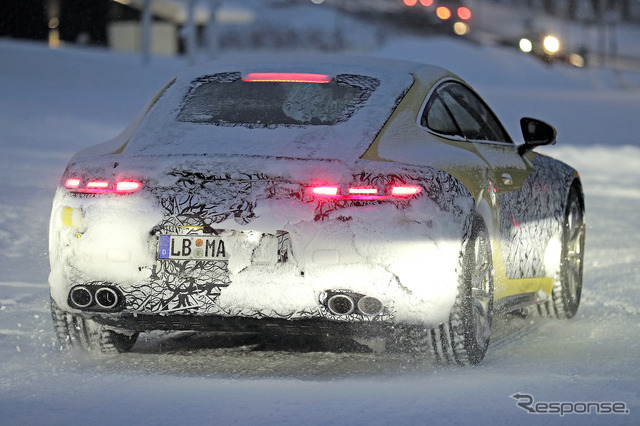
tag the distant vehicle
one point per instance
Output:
(451, 16)
(338, 196)
(549, 48)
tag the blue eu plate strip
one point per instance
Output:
(164, 247)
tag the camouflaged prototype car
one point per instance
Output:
(357, 196)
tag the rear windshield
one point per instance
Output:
(225, 99)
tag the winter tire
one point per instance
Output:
(75, 332)
(565, 296)
(464, 339)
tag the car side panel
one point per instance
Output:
(531, 220)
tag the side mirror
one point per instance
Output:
(536, 133)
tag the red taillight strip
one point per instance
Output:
(72, 183)
(366, 193)
(102, 186)
(403, 191)
(286, 77)
(325, 190)
(127, 186)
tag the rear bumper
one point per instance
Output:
(343, 295)
(274, 326)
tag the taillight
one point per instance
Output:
(403, 191)
(72, 183)
(328, 191)
(101, 186)
(365, 193)
(127, 186)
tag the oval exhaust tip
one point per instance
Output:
(341, 304)
(107, 298)
(370, 306)
(81, 297)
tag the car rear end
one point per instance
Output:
(240, 201)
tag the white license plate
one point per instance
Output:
(192, 247)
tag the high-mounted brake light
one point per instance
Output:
(101, 184)
(79, 186)
(286, 77)
(363, 191)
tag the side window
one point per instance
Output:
(472, 118)
(439, 118)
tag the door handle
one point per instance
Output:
(507, 179)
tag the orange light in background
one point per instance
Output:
(54, 33)
(464, 13)
(443, 13)
(410, 2)
(426, 3)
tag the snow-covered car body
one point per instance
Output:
(323, 192)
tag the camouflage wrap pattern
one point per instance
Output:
(532, 216)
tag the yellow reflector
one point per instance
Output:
(71, 218)
(66, 216)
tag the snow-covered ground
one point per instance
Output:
(53, 103)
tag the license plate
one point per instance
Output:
(188, 247)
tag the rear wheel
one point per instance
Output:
(565, 296)
(464, 339)
(75, 332)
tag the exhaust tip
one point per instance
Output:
(107, 298)
(81, 297)
(341, 304)
(91, 297)
(370, 306)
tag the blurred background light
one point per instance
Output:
(526, 45)
(443, 13)
(460, 28)
(551, 44)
